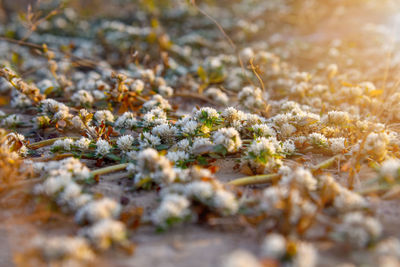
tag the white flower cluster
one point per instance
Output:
(275, 247)
(9, 121)
(251, 98)
(104, 233)
(102, 147)
(376, 145)
(103, 230)
(179, 197)
(263, 154)
(125, 121)
(56, 110)
(389, 171)
(103, 116)
(125, 143)
(205, 113)
(72, 165)
(240, 258)
(15, 142)
(157, 101)
(277, 199)
(358, 229)
(303, 178)
(147, 140)
(152, 168)
(98, 210)
(166, 132)
(339, 118)
(73, 250)
(172, 208)
(217, 95)
(82, 98)
(155, 116)
(229, 138)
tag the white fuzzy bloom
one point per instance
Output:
(125, 142)
(157, 101)
(104, 116)
(306, 255)
(318, 140)
(104, 233)
(200, 142)
(189, 127)
(176, 156)
(183, 145)
(102, 147)
(62, 248)
(347, 200)
(173, 206)
(77, 123)
(337, 117)
(229, 138)
(137, 86)
(288, 147)
(336, 145)
(287, 129)
(225, 202)
(10, 121)
(98, 210)
(390, 170)
(274, 246)
(358, 229)
(82, 143)
(165, 91)
(206, 113)
(98, 95)
(232, 115)
(199, 190)
(217, 95)
(302, 177)
(166, 132)
(155, 116)
(151, 165)
(126, 121)
(240, 258)
(51, 107)
(64, 144)
(376, 145)
(54, 184)
(148, 140)
(81, 98)
(389, 246)
(263, 130)
(251, 98)
(246, 54)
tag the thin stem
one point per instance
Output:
(109, 169)
(372, 189)
(48, 142)
(326, 163)
(256, 179)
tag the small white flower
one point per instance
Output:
(173, 206)
(102, 147)
(176, 156)
(104, 116)
(240, 258)
(229, 138)
(105, 233)
(83, 143)
(81, 98)
(125, 143)
(98, 210)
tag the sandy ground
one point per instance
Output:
(202, 245)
